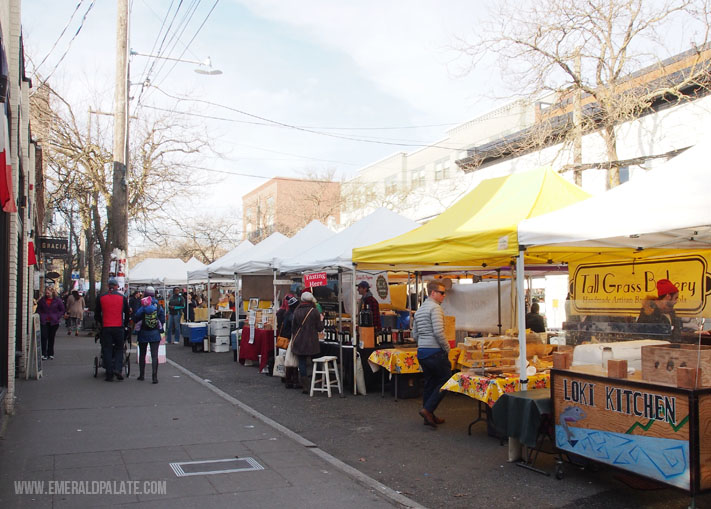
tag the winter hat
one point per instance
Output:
(665, 287)
(149, 291)
(292, 301)
(307, 297)
(113, 282)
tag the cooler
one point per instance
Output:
(194, 331)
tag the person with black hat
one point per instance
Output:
(367, 301)
(112, 314)
(176, 304)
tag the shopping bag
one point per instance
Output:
(360, 376)
(290, 360)
(282, 342)
(279, 367)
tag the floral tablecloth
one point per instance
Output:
(403, 361)
(489, 390)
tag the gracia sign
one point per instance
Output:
(620, 288)
(53, 245)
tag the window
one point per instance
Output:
(418, 177)
(624, 174)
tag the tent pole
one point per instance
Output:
(208, 297)
(355, 339)
(498, 281)
(274, 307)
(520, 276)
(338, 334)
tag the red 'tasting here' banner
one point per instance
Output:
(315, 279)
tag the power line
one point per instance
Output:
(304, 129)
(58, 38)
(81, 25)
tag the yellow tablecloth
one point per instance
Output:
(403, 361)
(489, 390)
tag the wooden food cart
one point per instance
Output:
(653, 429)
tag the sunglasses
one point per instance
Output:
(441, 292)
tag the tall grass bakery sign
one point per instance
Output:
(620, 288)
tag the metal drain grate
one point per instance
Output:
(209, 467)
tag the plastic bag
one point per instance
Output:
(279, 367)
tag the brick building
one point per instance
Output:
(19, 219)
(286, 205)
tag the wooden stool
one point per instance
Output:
(322, 367)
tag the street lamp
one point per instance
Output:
(205, 65)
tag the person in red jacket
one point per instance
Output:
(112, 313)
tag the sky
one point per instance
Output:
(349, 82)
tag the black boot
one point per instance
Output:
(155, 374)
(305, 385)
(141, 371)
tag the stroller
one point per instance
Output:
(99, 360)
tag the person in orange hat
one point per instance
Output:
(661, 309)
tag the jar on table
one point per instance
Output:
(606, 356)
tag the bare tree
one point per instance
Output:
(586, 51)
(79, 167)
(206, 238)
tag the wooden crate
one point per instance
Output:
(450, 328)
(659, 362)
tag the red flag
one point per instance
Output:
(7, 196)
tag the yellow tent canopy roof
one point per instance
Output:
(478, 230)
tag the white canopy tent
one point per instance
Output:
(265, 262)
(159, 271)
(669, 207)
(219, 270)
(194, 264)
(337, 251)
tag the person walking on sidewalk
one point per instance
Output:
(75, 310)
(307, 323)
(151, 317)
(51, 310)
(176, 304)
(432, 351)
(112, 314)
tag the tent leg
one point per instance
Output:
(354, 317)
(521, 312)
(338, 334)
(498, 293)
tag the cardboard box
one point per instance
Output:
(366, 337)
(660, 362)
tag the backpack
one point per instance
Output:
(150, 319)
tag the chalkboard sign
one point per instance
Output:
(33, 360)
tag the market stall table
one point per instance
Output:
(526, 418)
(489, 389)
(257, 346)
(401, 361)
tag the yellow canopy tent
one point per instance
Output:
(478, 230)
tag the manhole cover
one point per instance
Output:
(209, 467)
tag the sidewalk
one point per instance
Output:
(70, 426)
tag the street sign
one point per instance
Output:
(53, 246)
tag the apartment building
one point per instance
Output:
(286, 205)
(423, 183)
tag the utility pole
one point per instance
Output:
(119, 201)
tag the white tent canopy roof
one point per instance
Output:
(337, 251)
(194, 264)
(312, 234)
(219, 269)
(159, 271)
(666, 208)
(264, 249)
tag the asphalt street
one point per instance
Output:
(386, 440)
